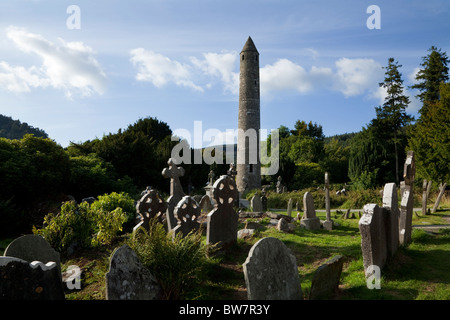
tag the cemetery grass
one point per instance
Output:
(417, 272)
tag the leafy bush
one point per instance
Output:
(176, 263)
(87, 225)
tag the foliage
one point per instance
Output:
(430, 139)
(14, 129)
(87, 225)
(176, 263)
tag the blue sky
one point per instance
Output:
(178, 61)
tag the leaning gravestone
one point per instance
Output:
(326, 279)
(271, 272)
(373, 236)
(128, 279)
(150, 206)
(222, 221)
(390, 202)
(31, 248)
(176, 191)
(256, 203)
(22, 280)
(187, 211)
(407, 203)
(309, 220)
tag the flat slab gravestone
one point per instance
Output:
(128, 279)
(31, 248)
(22, 280)
(309, 220)
(390, 202)
(373, 236)
(326, 279)
(271, 272)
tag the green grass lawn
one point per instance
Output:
(417, 272)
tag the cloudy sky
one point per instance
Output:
(81, 72)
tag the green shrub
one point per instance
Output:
(176, 263)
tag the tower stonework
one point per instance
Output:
(248, 162)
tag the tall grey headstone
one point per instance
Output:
(407, 202)
(309, 219)
(128, 279)
(176, 191)
(256, 204)
(390, 202)
(271, 272)
(32, 247)
(187, 211)
(222, 221)
(326, 279)
(22, 280)
(289, 207)
(373, 236)
(328, 223)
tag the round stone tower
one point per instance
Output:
(248, 163)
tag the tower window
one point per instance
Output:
(250, 169)
(242, 57)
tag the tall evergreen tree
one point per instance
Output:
(391, 117)
(434, 71)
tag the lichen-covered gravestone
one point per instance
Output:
(256, 203)
(222, 221)
(128, 279)
(187, 212)
(150, 206)
(271, 272)
(390, 203)
(326, 279)
(176, 191)
(373, 236)
(309, 220)
(31, 248)
(22, 280)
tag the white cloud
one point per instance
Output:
(69, 66)
(160, 70)
(286, 75)
(357, 76)
(220, 65)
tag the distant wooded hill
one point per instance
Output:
(14, 129)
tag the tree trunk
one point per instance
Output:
(441, 193)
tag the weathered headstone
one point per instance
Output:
(326, 279)
(22, 280)
(390, 202)
(280, 186)
(407, 202)
(328, 223)
(289, 207)
(222, 221)
(424, 196)
(283, 225)
(176, 191)
(256, 204)
(150, 206)
(128, 279)
(31, 248)
(373, 236)
(263, 200)
(187, 211)
(271, 272)
(309, 219)
(206, 204)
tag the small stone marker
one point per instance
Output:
(187, 211)
(373, 236)
(176, 191)
(22, 280)
(128, 279)
(326, 279)
(271, 272)
(222, 221)
(407, 202)
(289, 207)
(390, 202)
(31, 248)
(309, 220)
